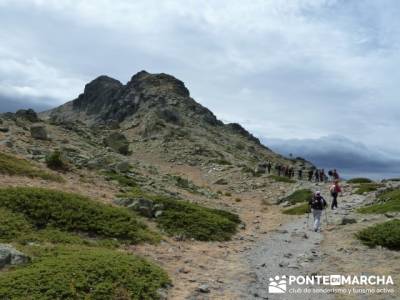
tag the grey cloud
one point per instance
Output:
(12, 105)
(297, 69)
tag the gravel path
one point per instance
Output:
(294, 249)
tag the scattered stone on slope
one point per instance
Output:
(118, 142)
(11, 256)
(221, 181)
(347, 220)
(39, 132)
(204, 288)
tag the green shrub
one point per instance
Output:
(11, 165)
(367, 187)
(15, 228)
(184, 183)
(385, 234)
(228, 194)
(13, 225)
(72, 212)
(281, 179)
(220, 161)
(389, 202)
(238, 200)
(84, 273)
(359, 180)
(122, 179)
(55, 161)
(298, 196)
(192, 220)
(247, 169)
(297, 210)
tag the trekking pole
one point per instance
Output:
(326, 217)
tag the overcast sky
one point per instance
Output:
(292, 72)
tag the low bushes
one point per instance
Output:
(367, 187)
(297, 210)
(56, 162)
(84, 273)
(303, 195)
(71, 212)
(53, 228)
(191, 220)
(122, 179)
(385, 234)
(388, 202)
(359, 180)
(11, 165)
(281, 179)
(15, 228)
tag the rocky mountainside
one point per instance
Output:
(155, 111)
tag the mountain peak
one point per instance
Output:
(158, 83)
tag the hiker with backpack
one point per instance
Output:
(310, 174)
(335, 189)
(335, 175)
(316, 175)
(317, 204)
(269, 166)
(300, 174)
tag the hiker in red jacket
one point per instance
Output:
(335, 189)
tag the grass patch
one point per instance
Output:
(281, 179)
(367, 187)
(388, 202)
(13, 225)
(190, 220)
(74, 213)
(15, 228)
(221, 161)
(385, 234)
(297, 210)
(84, 273)
(14, 166)
(359, 180)
(298, 196)
(122, 179)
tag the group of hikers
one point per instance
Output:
(316, 175)
(318, 203)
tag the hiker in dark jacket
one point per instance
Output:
(335, 189)
(269, 166)
(310, 174)
(317, 204)
(322, 175)
(279, 169)
(335, 175)
(316, 175)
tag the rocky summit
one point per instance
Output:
(154, 113)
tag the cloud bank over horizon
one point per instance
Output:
(286, 70)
